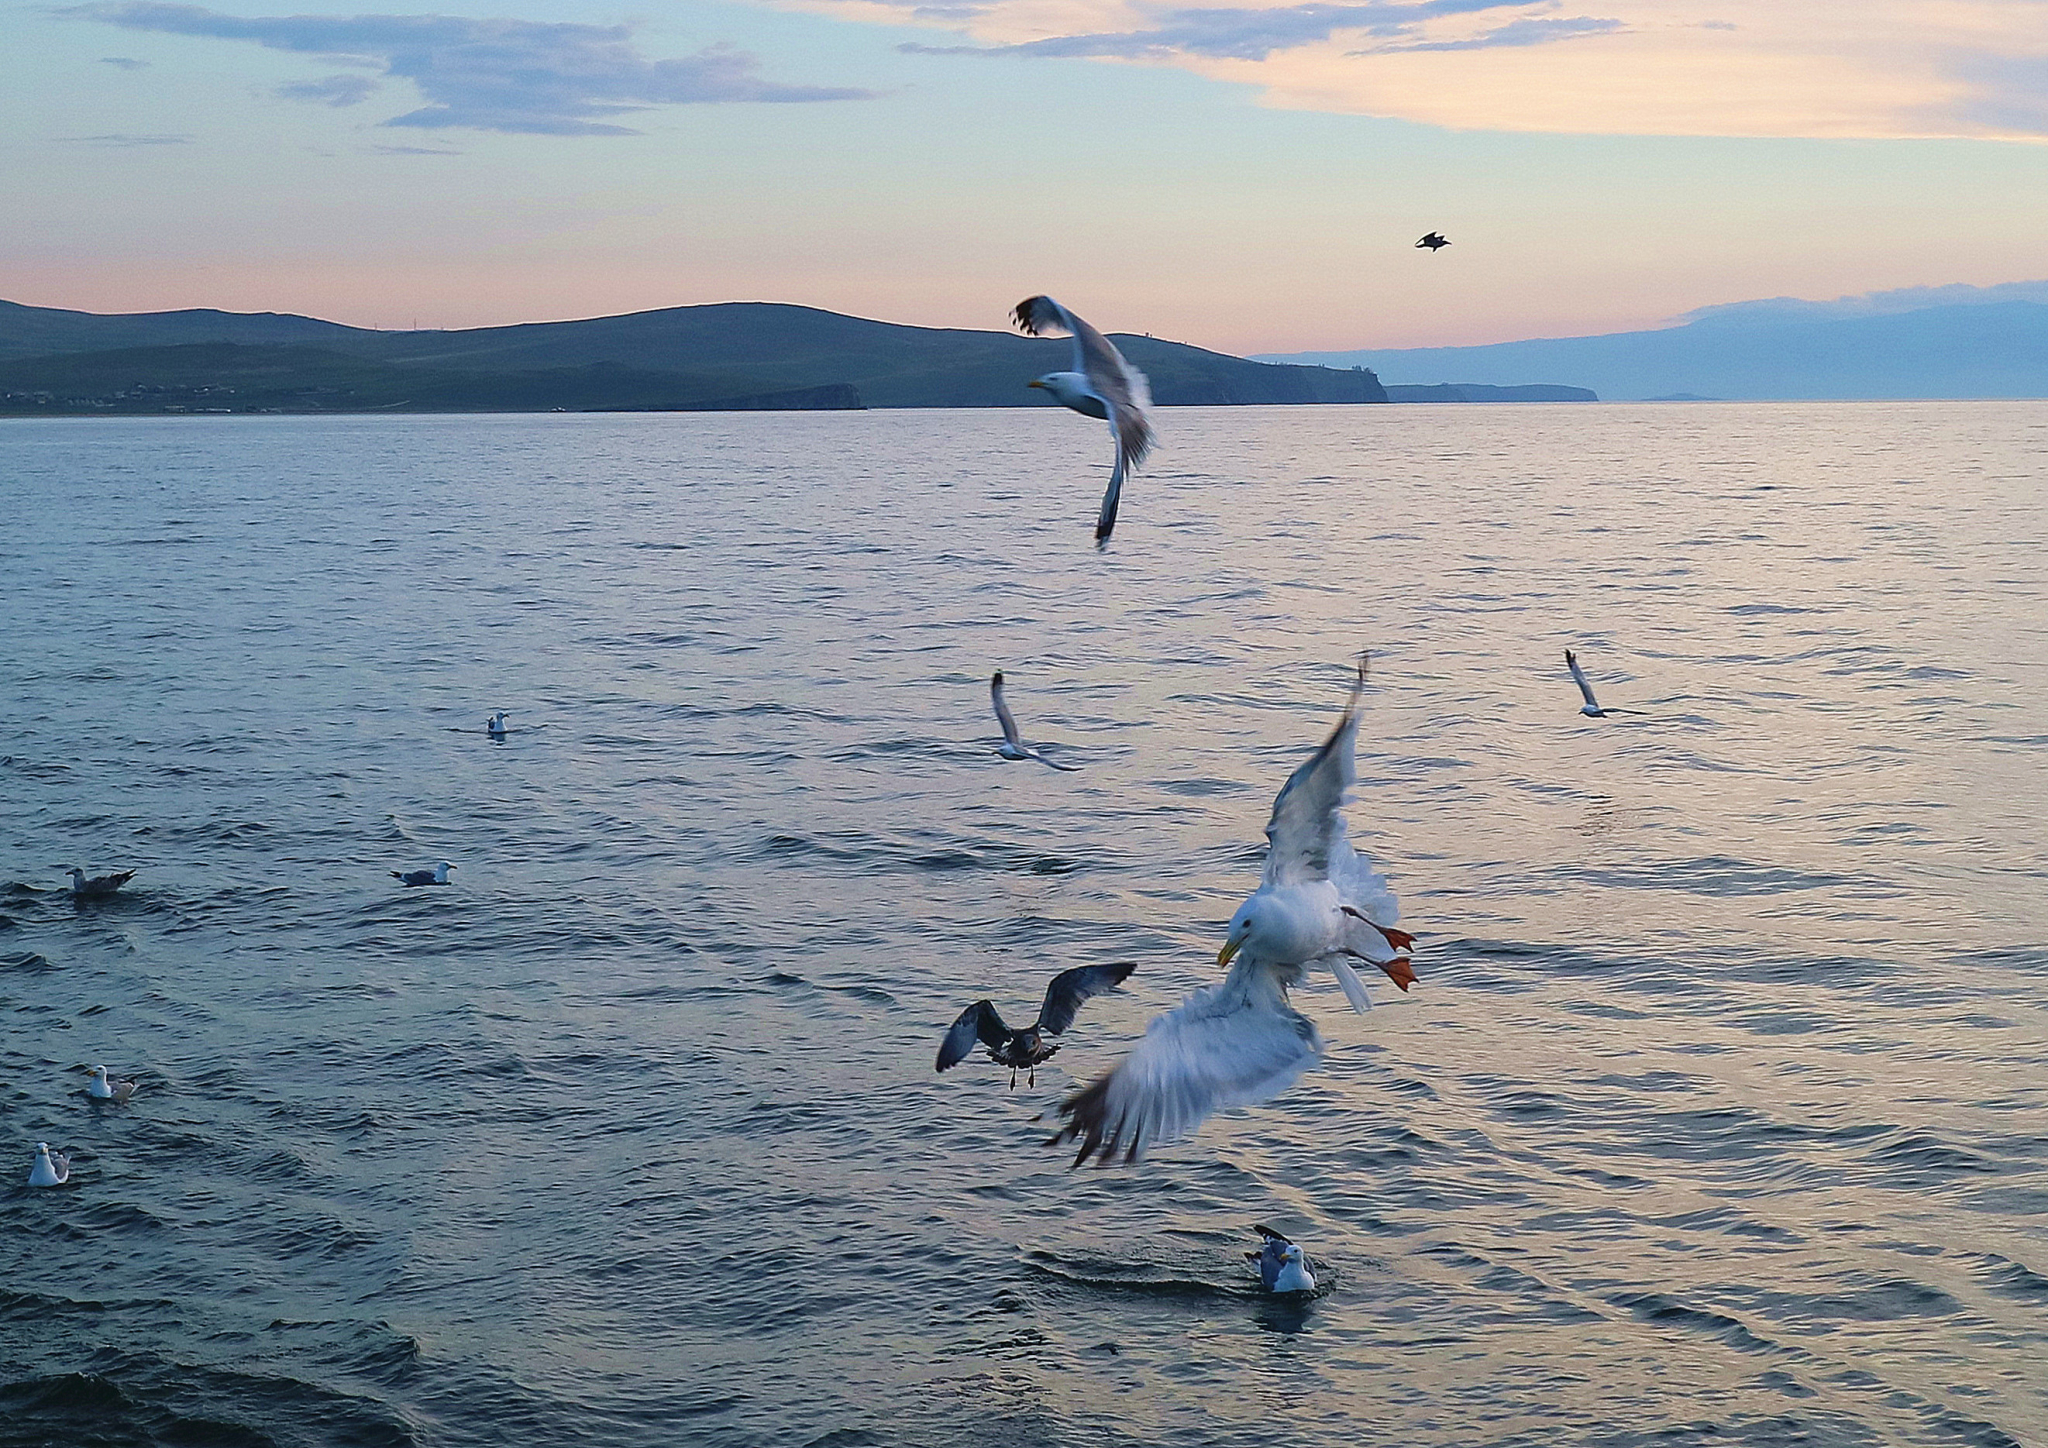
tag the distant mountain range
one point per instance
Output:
(1475, 392)
(1972, 342)
(728, 356)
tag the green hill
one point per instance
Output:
(728, 354)
(231, 377)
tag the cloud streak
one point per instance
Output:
(331, 90)
(1238, 34)
(518, 76)
(1804, 68)
(122, 141)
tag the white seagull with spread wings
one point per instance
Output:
(1098, 384)
(1013, 745)
(1591, 709)
(1239, 1041)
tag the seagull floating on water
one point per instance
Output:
(1238, 1042)
(101, 1089)
(1283, 1266)
(52, 1168)
(436, 876)
(1025, 1048)
(1435, 241)
(1099, 383)
(1013, 745)
(495, 725)
(1591, 709)
(99, 887)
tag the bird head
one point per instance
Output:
(1290, 1253)
(1242, 924)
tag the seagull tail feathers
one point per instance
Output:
(1354, 988)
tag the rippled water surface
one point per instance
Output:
(1719, 1115)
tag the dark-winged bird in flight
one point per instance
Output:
(1026, 1048)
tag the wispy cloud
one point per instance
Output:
(1517, 32)
(1239, 34)
(331, 90)
(122, 141)
(1820, 68)
(520, 76)
(124, 62)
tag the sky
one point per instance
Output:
(1246, 177)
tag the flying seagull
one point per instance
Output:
(1591, 709)
(1239, 1041)
(1013, 745)
(101, 1089)
(436, 876)
(1099, 384)
(1025, 1049)
(1434, 241)
(99, 887)
(52, 1168)
(1283, 1266)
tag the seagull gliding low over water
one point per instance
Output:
(1024, 1049)
(1013, 745)
(1591, 709)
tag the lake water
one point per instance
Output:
(1719, 1114)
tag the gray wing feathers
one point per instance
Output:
(1307, 829)
(1003, 715)
(1571, 662)
(979, 1022)
(1105, 521)
(1063, 997)
(1358, 884)
(1222, 1048)
(1271, 1260)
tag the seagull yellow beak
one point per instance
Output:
(1034, 382)
(1223, 956)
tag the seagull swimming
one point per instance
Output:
(1013, 745)
(1434, 241)
(1025, 1048)
(101, 1089)
(436, 876)
(1591, 709)
(1238, 1042)
(1098, 384)
(99, 887)
(52, 1168)
(1283, 1267)
(495, 725)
